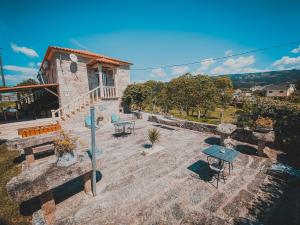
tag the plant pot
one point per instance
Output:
(66, 159)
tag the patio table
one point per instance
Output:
(228, 156)
(124, 124)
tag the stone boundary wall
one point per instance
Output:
(240, 134)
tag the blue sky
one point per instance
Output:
(152, 33)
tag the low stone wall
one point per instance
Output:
(240, 134)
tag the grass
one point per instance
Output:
(9, 211)
(213, 117)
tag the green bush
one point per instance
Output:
(286, 118)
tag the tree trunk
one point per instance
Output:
(199, 114)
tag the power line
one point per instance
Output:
(222, 57)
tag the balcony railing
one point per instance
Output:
(109, 92)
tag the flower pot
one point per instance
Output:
(66, 159)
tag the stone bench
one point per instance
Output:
(29, 152)
(22, 143)
(40, 180)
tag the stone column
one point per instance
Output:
(29, 155)
(87, 182)
(222, 138)
(48, 207)
(100, 80)
(260, 147)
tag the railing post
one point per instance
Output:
(53, 115)
(100, 80)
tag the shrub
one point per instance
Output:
(153, 136)
(64, 144)
(285, 116)
(265, 122)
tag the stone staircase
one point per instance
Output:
(83, 102)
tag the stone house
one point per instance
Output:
(83, 78)
(279, 90)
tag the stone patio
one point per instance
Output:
(167, 187)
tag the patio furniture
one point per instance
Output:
(87, 122)
(120, 125)
(262, 138)
(216, 169)
(226, 155)
(10, 112)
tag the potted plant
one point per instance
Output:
(64, 147)
(263, 124)
(153, 136)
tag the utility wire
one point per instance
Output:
(222, 57)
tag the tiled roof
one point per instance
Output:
(88, 54)
(282, 86)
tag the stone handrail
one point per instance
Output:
(77, 104)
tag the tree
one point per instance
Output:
(136, 95)
(29, 81)
(206, 94)
(183, 92)
(225, 90)
(156, 88)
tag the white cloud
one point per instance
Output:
(26, 51)
(16, 78)
(180, 70)
(20, 69)
(296, 50)
(239, 62)
(78, 44)
(159, 72)
(238, 65)
(228, 52)
(287, 62)
(204, 65)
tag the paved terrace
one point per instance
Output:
(167, 187)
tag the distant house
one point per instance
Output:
(257, 88)
(280, 90)
(239, 94)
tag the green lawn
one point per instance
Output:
(9, 211)
(213, 117)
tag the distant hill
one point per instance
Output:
(248, 80)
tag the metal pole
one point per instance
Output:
(1, 70)
(92, 109)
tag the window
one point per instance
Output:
(281, 91)
(270, 91)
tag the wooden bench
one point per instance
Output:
(40, 180)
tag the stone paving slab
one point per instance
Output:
(167, 187)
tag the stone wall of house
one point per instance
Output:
(122, 79)
(72, 83)
(106, 107)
